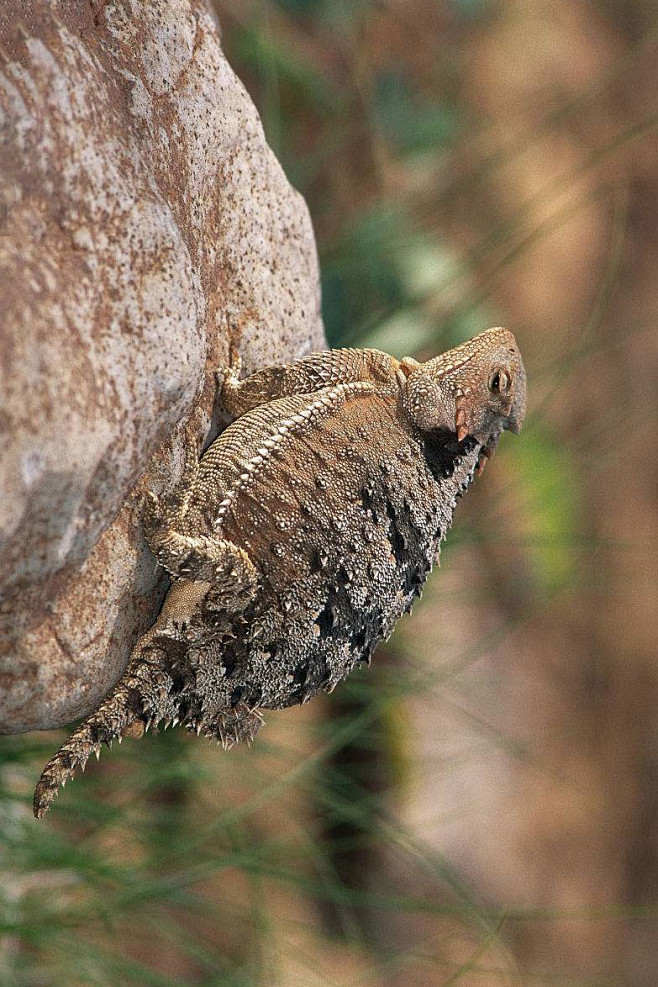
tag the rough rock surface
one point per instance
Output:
(145, 226)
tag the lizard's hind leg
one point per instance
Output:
(199, 559)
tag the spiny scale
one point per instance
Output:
(303, 534)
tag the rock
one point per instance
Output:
(146, 226)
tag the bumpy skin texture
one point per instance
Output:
(303, 534)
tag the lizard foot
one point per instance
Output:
(231, 726)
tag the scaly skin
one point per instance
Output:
(303, 534)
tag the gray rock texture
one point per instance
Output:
(145, 226)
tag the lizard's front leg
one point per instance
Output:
(306, 376)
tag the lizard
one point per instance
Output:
(302, 535)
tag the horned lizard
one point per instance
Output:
(303, 534)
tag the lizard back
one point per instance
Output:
(342, 523)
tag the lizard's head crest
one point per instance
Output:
(478, 389)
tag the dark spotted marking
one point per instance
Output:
(238, 695)
(300, 674)
(317, 561)
(325, 620)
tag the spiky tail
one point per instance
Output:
(143, 692)
(109, 721)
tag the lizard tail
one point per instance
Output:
(110, 720)
(142, 695)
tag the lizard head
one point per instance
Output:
(478, 389)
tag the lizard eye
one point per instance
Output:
(500, 382)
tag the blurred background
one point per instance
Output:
(481, 806)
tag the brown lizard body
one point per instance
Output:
(303, 534)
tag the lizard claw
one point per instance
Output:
(229, 376)
(233, 368)
(234, 358)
